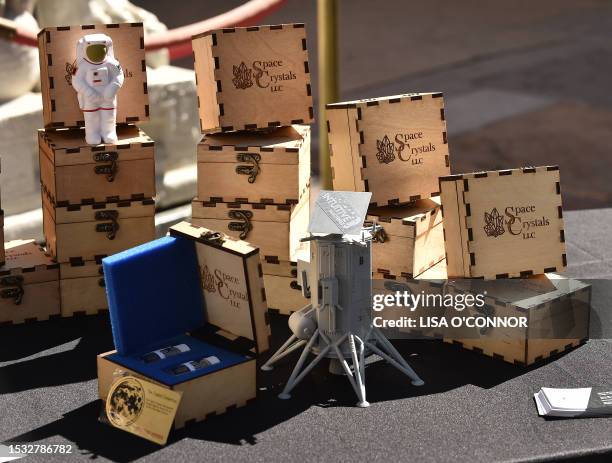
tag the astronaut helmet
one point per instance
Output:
(95, 48)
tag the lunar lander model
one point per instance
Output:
(337, 324)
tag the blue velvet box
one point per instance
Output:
(193, 287)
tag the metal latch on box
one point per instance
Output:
(253, 169)
(16, 292)
(245, 226)
(213, 237)
(110, 228)
(377, 231)
(110, 170)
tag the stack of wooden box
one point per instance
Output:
(254, 99)
(97, 200)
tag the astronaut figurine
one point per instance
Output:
(97, 79)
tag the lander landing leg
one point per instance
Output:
(376, 342)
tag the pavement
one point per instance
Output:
(472, 409)
(525, 83)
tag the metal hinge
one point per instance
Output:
(253, 169)
(110, 228)
(110, 170)
(12, 293)
(244, 227)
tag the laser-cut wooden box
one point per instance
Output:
(394, 147)
(501, 224)
(253, 77)
(263, 225)
(88, 231)
(411, 240)
(256, 167)
(73, 172)
(29, 284)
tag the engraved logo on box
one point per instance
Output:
(126, 402)
(494, 223)
(242, 76)
(407, 147)
(227, 286)
(517, 220)
(263, 74)
(386, 150)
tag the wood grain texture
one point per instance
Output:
(39, 280)
(397, 145)
(82, 288)
(283, 294)
(508, 223)
(68, 166)
(231, 282)
(282, 172)
(73, 233)
(414, 238)
(269, 224)
(253, 78)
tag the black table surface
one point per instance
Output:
(472, 408)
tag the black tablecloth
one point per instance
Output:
(472, 408)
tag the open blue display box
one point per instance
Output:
(193, 287)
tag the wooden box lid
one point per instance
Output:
(253, 77)
(87, 212)
(27, 261)
(67, 147)
(232, 283)
(57, 52)
(259, 212)
(277, 146)
(407, 221)
(504, 223)
(395, 147)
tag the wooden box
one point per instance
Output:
(254, 77)
(57, 53)
(557, 311)
(505, 223)
(73, 172)
(29, 284)
(256, 167)
(88, 231)
(394, 147)
(283, 291)
(263, 225)
(411, 240)
(221, 306)
(82, 287)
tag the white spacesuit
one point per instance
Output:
(97, 79)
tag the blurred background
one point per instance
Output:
(525, 83)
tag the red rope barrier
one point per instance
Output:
(177, 41)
